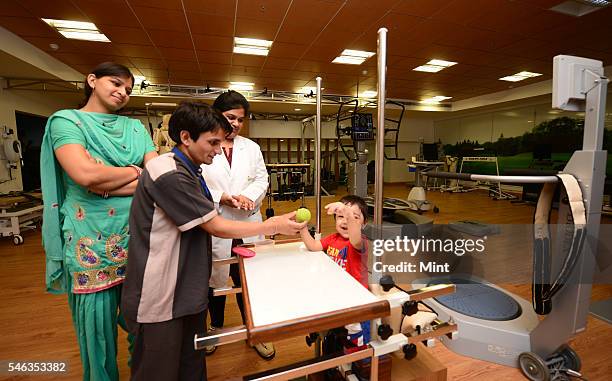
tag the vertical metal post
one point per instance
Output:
(380, 134)
(595, 112)
(317, 185)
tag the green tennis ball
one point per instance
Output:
(302, 215)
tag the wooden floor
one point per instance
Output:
(36, 326)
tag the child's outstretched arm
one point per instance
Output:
(354, 229)
(310, 243)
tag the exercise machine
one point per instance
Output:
(290, 183)
(561, 280)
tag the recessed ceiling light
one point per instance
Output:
(369, 94)
(297, 109)
(77, 30)
(434, 100)
(245, 86)
(435, 65)
(352, 57)
(520, 76)
(252, 46)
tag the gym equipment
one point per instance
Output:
(493, 187)
(360, 131)
(290, 183)
(537, 346)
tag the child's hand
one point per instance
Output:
(335, 207)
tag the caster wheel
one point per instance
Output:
(17, 239)
(436, 209)
(570, 357)
(410, 351)
(384, 331)
(533, 367)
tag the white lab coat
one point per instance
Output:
(248, 177)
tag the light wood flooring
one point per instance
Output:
(37, 326)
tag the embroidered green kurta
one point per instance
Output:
(85, 236)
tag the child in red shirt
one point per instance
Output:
(347, 247)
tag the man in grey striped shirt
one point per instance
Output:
(165, 293)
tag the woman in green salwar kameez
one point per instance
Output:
(91, 159)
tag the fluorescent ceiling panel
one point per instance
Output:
(251, 46)
(520, 76)
(352, 57)
(77, 30)
(435, 65)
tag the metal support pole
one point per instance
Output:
(317, 185)
(595, 113)
(380, 134)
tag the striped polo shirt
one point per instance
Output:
(170, 256)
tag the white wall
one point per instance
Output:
(32, 102)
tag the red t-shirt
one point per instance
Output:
(347, 256)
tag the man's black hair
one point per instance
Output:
(196, 118)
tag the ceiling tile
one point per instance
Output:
(503, 15)
(247, 60)
(250, 71)
(58, 9)
(148, 63)
(178, 54)
(87, 47)
(100, 13)
(28, 26)
(14, 9)
(213, 7)
(213, 43)
(213, 71)
(421, 8)
(201, 23)
(249, 28)
(279, 63)
(208, 57)
(162, 4)
(162, 19)
(285, 50)
(183, 66)
(142, 51)
(263, 10)
(125, 35)
(170, 39)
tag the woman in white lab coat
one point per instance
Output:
(238, 181)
